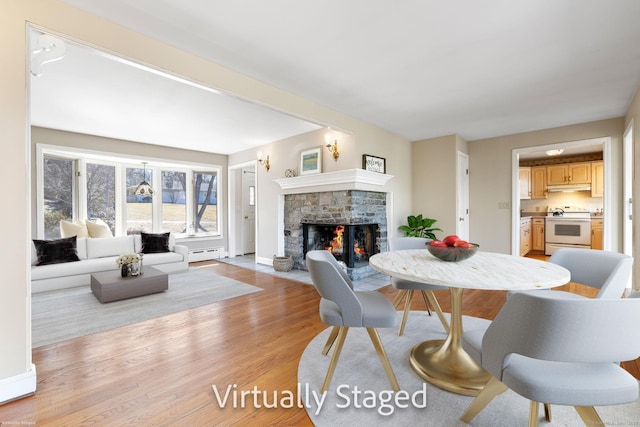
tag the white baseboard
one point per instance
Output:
(18, 386)
(265, 261)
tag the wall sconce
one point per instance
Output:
(264, 162)
(333, 149)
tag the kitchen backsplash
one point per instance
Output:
(582, 199)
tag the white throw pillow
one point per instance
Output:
(78, 228)
(110, 246)
(98, 228)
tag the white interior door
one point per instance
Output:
(462, 199)
(249, 210)
(627, 222)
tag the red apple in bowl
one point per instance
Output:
(438, 243)
(450, 240)
(460, 250)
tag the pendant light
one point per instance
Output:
(144, 189)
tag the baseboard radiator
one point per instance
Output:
(204, 254)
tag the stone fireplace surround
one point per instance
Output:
(333, 207)
(349, 196)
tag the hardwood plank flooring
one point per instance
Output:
(162, 371)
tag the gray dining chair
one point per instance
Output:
(609, 272)
(344, 308)
(407, 288)
(558, 351)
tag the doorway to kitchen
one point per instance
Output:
(561, 194)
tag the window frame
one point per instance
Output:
(121, 162)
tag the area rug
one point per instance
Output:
(69, 313)
(360, 387)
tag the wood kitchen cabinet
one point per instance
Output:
(597, 179)
(569, 173)
(537, 234)
(539, 182)
(596, 233)
(524, 180)
(525, 236)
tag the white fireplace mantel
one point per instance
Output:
(350, 179)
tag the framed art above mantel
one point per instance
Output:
(311, 161)
(374, 163)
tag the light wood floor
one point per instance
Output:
(161, 372)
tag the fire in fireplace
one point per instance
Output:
(352, 244)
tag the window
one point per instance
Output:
(101, 193)
(174, 201)
(76, 186)
(58, 194)
(139, 212)
(205, 218)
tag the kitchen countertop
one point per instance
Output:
(524, 215)
(532, 214)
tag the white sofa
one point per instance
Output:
(99, 254)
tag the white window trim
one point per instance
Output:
(121, 162)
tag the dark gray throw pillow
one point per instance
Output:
(56, 251)
(155, 243)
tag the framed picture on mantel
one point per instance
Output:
(374, 164)
(311, 161)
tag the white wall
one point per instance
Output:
(434, 164)
(16, 376)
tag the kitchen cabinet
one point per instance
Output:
(525, 236)
(537, 234)
(539, 182)
(597, 179)
(569, 173)
(524, 180)
(596, 233)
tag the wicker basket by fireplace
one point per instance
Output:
(282, 263)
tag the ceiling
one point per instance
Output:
(418, 68)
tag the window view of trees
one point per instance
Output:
(206, 213)
(174, 201)
(58, 194)
(101, 193)
(139, 208)
(185, 200)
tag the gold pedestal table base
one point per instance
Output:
(444, 363)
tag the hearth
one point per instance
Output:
(352, 244)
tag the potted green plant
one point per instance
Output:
(417, 226)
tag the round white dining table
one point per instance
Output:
(444, 363)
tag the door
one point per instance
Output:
(557, 174)
(627, 188)
(524, 179)
(249, 210)
(462, 202)
(539, 182)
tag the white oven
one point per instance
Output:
(567, 228)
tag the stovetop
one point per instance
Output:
(568, 212)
